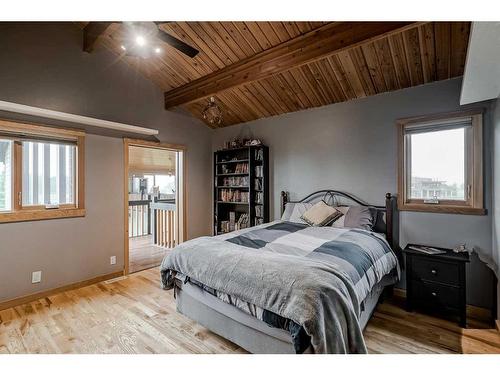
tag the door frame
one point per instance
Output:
(181, 209)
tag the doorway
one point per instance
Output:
(154, 202)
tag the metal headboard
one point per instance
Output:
(389, 210)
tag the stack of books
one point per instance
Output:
(232, 224)
(243, 222)
(230, 195)
(241, 168)
(235, 181)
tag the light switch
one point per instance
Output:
(36, 277)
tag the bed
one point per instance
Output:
(286, 287)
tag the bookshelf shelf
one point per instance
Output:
(233, 161)
(232, 174)
(229, 202)
(241, 174)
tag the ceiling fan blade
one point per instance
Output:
(178, 44)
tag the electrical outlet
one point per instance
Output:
(36, 277)
(112, 260)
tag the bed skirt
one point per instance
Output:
(248, 332)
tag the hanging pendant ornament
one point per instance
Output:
(212, 112)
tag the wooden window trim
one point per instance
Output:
(127, 142)
(39, 212)
(473, 205)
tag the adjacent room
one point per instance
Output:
(153, 217)
(266, 187)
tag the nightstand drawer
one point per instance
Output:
(436, 295)
(431, 270)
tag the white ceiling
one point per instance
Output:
(482, 68)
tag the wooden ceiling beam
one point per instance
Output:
(323, 41)
(92, 32)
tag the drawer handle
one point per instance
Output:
(434, 272)
(434, 294)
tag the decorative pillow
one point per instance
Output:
(294, 211)
(356, 217)
(320, 214)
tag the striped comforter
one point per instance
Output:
(314, 276)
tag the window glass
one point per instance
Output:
(166, 184)
(437, 165)
(48, 173)
(5, 175)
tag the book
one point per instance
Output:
(232, 220)
(259, 198)
(427, 250)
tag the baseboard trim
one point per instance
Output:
(474, 312)
(46, 293)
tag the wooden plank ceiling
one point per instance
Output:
(424, 53)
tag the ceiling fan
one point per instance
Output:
(142, 40)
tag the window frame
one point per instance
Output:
(40, 212)
(474, 202)
(11, 176)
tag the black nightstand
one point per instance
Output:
(436, 283)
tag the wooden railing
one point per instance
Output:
(165, 230)
(139, 218)
(157, 218)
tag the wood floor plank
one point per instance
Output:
(134, 315)
(144, 254)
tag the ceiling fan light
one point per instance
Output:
(140, 40)
(158, 50)
(123, 47)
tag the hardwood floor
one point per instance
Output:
(144, 254)
(134, 315)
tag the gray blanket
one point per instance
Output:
(313, 276)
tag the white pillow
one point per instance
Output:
(321, 214)
(294, 211)
(339, 223)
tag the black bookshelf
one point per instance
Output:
(241, 187)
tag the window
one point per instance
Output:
(48, 173)
(5, 174)
(165, 183)
(440, 163)
(41, 172)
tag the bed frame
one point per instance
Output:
(256, 336)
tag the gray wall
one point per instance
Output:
(44, 66)
(352, 146)
(70, 250)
